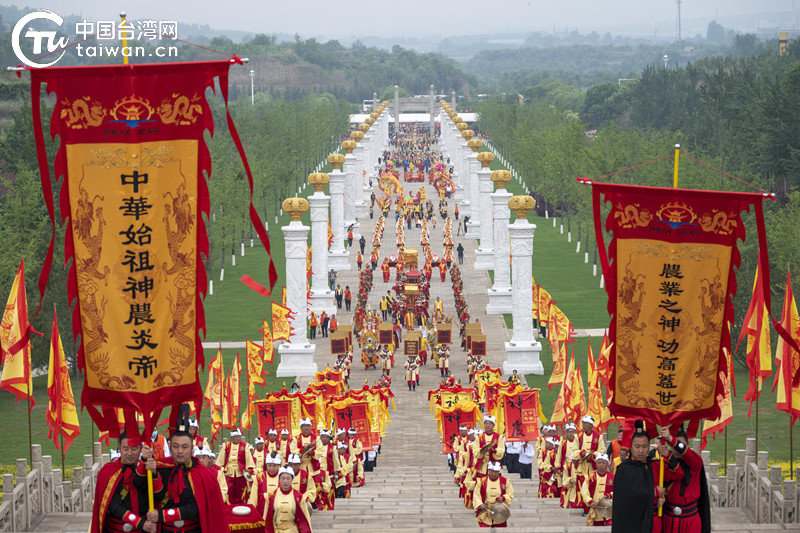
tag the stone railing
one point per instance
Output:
(753, 485)
(43, 490)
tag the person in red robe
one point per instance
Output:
(687, 506)
(193, 498)
(123, 500)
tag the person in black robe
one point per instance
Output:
(634, 489)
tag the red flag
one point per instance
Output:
(725, 400)
(603, 367)
(61, 415)
(250, 409)
(787, 359)
(15, 346)
(595, 404)
(756, 330)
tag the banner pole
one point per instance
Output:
(677, 158)
(30, 436)
(123, 16)
(791, 428)
(757, 396)
(62, 452)
(726, 450)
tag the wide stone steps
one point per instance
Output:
(424, 498)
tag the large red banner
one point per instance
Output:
(134, 193)
(454, 417)
(670, 278)
(275, 415)
(355, 415)
(521, 415)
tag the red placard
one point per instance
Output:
(444, 335)
(451, 421)
(274, 415)
(521, 411)
(385, 335)
(355, 415)
(338, 343)
(479, 345)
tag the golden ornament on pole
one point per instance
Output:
(349, 146)
(500, 178)
(336, 160)
(318, 180)
(295, 207)
(520, 205)
(475, 144)
(485, 159)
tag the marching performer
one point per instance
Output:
(488, 446)
(237, 464)
(492, 492)
(599, 486)
(286, 511)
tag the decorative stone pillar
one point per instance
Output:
(321, 295)
(297, 356)
(363, 157)
(484, 255)
(500, 301)
(431, 98)
(351, 162)
(461, 166)
(338, 257)
(474, 163)
(522, 351)
(396, 109)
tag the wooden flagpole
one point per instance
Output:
(30, 436)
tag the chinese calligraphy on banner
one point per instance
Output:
(275, 415)
(521, 411)
(133, 158)
(352, 414)
(670, 278)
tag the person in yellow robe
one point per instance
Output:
(286, 511)
(490, 490)
(266, 484)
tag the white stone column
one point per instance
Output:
(338, 257)
(522, 351)
(321, 296)
(500, 300)
(297, 356)
(463, 170)
(360, 206)
(484, 255)
(477, 163)
(350, 191)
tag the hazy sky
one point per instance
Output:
(415, 17)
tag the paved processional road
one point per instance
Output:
(412, 490)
